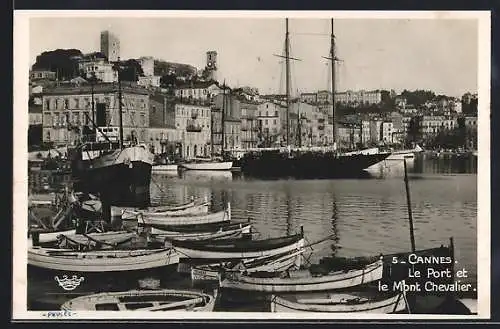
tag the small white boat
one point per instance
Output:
(300, 282)
(337, 303)
(172, 207)
(212, 218)
(274, 263)
(144, 300)
(200, 209)
(101, 260)
(222, 233)
(165, 168)
(208, 165)
(47, 237)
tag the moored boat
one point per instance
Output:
(110, 239)
(274, 263)
(209, 165)
(222, 233)
(51, 236)
(216, 217)
(144, 300)
(196, 209)
(238, 249)
(337, 303)
(101, 260)
(160, 208)
(120, 176)
(159, 168)
(303, 280)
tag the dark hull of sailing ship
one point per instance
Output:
(278, 164)
(121, 177)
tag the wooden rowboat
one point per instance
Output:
(223, 233)
(275, 263)
(216, 217)
(337, 303)
(199, 209)
(185, 205)
(101, 260)
(238, 249)
(144, 300)
(299, 281)
(51, 236)
(92, 240)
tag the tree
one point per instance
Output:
(62, 61)
(130, 70)
(414, 135)
(418, 97)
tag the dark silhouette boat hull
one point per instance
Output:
(310, 165)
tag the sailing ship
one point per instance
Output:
(303, 162)
(120, 175)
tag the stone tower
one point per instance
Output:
(211, 66)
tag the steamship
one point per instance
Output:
(119, 173)
(308, 162)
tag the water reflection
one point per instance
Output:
(364, 217)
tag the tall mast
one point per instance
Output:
(287, 79)
(332, 55)
(223, 117)
(120, 114)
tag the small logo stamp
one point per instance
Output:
(69, 284)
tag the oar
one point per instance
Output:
(173, 305)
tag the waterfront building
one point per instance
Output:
(110, 46)
(249, 125)
(375, 131)
(365, 132)
(348, 135)
(232, 122)
(269, 121)
(387, 132)
(165, 140)
(194, 124)
(67, 109)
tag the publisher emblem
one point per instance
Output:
(69, 284)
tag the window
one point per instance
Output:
(274, 121)
(267, 113)
(275, 113)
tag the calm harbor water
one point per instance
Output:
(365, 217)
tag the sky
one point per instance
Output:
(436, 54)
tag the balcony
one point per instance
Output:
(193, 128)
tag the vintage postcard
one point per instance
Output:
(242, 165)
